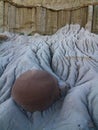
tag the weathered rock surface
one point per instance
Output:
(1, 16)
(71, 56)
(46, 17)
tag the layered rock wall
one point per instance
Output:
(45, 17)
(1, 16)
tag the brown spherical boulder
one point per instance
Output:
(35, 90)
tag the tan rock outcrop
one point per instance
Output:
(46, 17)
(53, 4)
(1, 16)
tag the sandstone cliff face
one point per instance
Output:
(95, 20)
(46, 17)
(53, 4)
(1, 16)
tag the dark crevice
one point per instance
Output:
(90, 113)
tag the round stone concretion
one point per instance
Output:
(35, 90)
